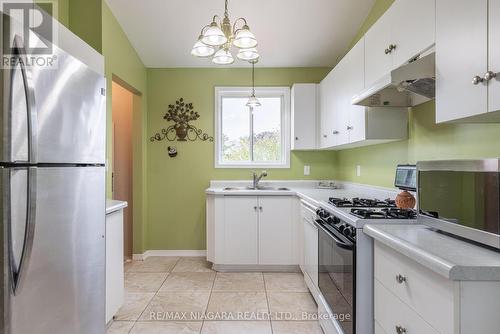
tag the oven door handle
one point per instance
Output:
(338, 242)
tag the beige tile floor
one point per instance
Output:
(183, 295)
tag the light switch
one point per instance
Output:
(307, 170)
(358, 170)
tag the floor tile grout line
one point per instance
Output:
(208, 303)
(267, 301)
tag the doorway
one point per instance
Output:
(122, 173)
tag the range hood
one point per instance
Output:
(409, 85)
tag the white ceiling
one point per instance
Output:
(291, 33)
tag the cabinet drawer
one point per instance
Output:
(307, 212)
(427, 293)
(391, 312)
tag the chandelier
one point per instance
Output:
(217, 38)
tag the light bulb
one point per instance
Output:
(223, 57)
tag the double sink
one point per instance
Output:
(256, 189)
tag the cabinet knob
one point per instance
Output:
(477, 80)
(400, 279)
(335, 132)
(296, 138)
(324, 136)
(260, 208)
(400, 329)
(489, 75)
(254, 208)
(390, 49)
(349, 127)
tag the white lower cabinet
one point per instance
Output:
(240, 230)
(311, 251)
(410, 298)
(115, 277)
(276, 230)
(251, 230)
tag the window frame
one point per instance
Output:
(243, 92)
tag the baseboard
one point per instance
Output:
(256, 268)
(149, 253)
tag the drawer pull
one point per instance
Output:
(400, 279)
(400, 329)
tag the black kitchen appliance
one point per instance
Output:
(337, 267)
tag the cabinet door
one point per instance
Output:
(413, 28)
(354, 84)
(276, 230)
(341, 103)
(377, 39)
(304, 116)
(326, 137)
(461, 54)
(494, 55)
(311, 251)
(240, 230)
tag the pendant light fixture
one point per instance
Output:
(252, 100)
(217, 38)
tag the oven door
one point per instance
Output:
(336, 274)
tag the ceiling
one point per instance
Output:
(291, 33)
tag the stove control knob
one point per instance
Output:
(342, 227)
(330, 220)
(349, 231)
(336, 220)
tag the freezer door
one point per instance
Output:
(70, 103)
(62, 287)
(53, 114)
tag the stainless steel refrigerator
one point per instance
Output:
(52, 183)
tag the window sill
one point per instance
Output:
(252, 166)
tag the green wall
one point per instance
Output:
(122, 61)
(427, 140)
(176, 198)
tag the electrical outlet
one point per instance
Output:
(358, 170)
(307, 170)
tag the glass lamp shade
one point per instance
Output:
(223, 57)
(253, 102)
(214, 36)
(245, 39)
(200, 49)
(248, 54)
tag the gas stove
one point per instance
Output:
(385, 213)
(371, 208)
(361, 203)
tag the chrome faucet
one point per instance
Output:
(256, 179)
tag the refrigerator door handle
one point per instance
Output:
(29, 92)
(18, 274)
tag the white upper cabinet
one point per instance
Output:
(403, 32)
(344, 125)
(377, 40)
(467, 48)
(327, 120)
(494, 55)
(413, 28)
(304, 116)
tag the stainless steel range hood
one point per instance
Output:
(409, 85)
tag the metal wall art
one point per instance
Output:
(181, 113)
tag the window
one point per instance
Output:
(248, 138)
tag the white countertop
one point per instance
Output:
(114, 205)
(450, 257)
(306, 190)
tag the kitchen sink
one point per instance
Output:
(258, 189)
